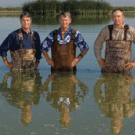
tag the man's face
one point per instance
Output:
(65, 21)
(118, 17)
(25, 22)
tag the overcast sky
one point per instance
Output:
(14, 3)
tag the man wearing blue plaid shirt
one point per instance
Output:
(63, 43)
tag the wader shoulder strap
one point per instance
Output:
(73, 34)
(20, 37)
(126, 27)
(32, 38)
(55, 35)
(110, 27)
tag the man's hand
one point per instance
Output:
(9, 64)
(36, 65)
(101, 63)
(129, 65)
(50, 62)
(75, 61)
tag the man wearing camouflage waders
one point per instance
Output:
(24, 46)
(118, 37)
(63, 43)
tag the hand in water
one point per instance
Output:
(129, 65)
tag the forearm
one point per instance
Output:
(79, 57)
(98, 44)
(97, 50)
(46, 55)
(5, 60)
(8, 64)
(82, 54)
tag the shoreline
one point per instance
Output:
(11, 13)
(16, 13)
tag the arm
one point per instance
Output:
(8, 64)
(48, 59)
(130, 65)
(48, 80)
(46, 45)
(38, 49)
(5, 46)
(79, 57)
(83, 46)
(98, 45)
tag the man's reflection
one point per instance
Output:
(63, 94)
(23, 93)
(115, 99)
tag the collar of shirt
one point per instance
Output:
(25, 32)
(120, 28)
(66, 38)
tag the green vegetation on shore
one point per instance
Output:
(11, 9)
(125, 8)
(45, 7)
(76, 20)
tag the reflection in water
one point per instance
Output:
(64, 95)
(76, 20)
(115, 98)
(23, 92)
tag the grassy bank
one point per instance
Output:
(125, 8)
(11, 9)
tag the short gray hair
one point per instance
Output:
(25, 14)
(65, 14)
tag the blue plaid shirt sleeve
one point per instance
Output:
(48, 42)
(79, 41)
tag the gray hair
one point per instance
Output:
(65, 14)
(25, 14)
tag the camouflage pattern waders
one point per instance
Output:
(118, 53)
(24, 59)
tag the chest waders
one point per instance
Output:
(117, 53)
(24, 59)
(63, 55)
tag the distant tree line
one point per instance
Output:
(45, 7)
(11, 9)
(76, 20)
(125, 8)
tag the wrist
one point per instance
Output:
(37, 61)
(47, 59)
(6, 63)
(81, 55)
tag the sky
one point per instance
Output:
(14, 3)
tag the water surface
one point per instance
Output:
(87, 102)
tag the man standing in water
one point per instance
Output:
(63, 43)
(24, 46)
(118, 37)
